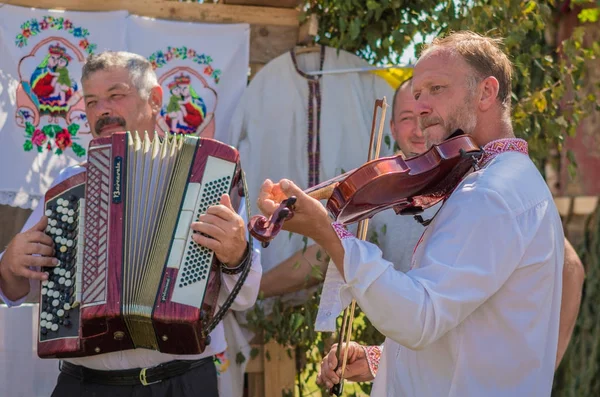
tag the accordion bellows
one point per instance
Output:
(130, 275)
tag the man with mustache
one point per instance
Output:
(122, 93)
(478, 313)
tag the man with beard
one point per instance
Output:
(122, 93)
(478, 313)
(363, 361)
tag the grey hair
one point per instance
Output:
(140, 69)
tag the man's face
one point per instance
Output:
(113, 103)
(444, 99)
(404, 127)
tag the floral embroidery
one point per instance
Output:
(50, 104)
(494, 148)
(373, 354)
(341, 231)
(221, 362)
(160, 58)
(33, 27)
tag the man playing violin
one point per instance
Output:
(363, 361)
(478, 311)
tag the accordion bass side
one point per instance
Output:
(129, 274)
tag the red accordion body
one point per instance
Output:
(129, 274)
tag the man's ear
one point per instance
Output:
(156, 98)
(489, 92)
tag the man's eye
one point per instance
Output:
(436, 88)
(417, 95)
(90, 103)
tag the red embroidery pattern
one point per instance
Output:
(341, 231)
(373, 354)
(494, 148)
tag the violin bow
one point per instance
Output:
(361, 233)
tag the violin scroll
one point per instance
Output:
(265, 230)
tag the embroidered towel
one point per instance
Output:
(202, 68)
(43, 127)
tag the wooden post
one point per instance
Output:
(272, 372)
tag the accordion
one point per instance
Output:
(129, 274)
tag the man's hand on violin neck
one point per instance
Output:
(309, 217)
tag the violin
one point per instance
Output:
(409, 186)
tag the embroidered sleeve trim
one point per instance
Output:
(373, 354)
(341, 231)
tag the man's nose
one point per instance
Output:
(423, 107)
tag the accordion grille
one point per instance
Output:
(156, 181)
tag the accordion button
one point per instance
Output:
(55, 302)
(66, 322)
(43, 331)
(59, 208)
(60, 312)
(50, 284)
(43, 315)
(49, 317)
(45, 283)
(48, 213)
(44, 291)
(55, 327)
(208, 340)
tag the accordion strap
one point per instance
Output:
(245, 266)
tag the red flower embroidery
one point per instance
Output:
(208, 70)
(84, 44)
(38, 138)
(63, 140)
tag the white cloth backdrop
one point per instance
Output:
(202, 68)
(42, 119)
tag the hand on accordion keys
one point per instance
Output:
(27, 250)
(223, 231)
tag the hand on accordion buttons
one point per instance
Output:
(226, 232)
(32, 248)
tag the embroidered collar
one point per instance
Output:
(494, 148)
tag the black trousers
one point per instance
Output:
(197, 382)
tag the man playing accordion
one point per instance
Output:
(122, 94)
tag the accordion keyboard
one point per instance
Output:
(61, 293)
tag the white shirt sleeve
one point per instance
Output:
(474, 248)
(248, 293)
